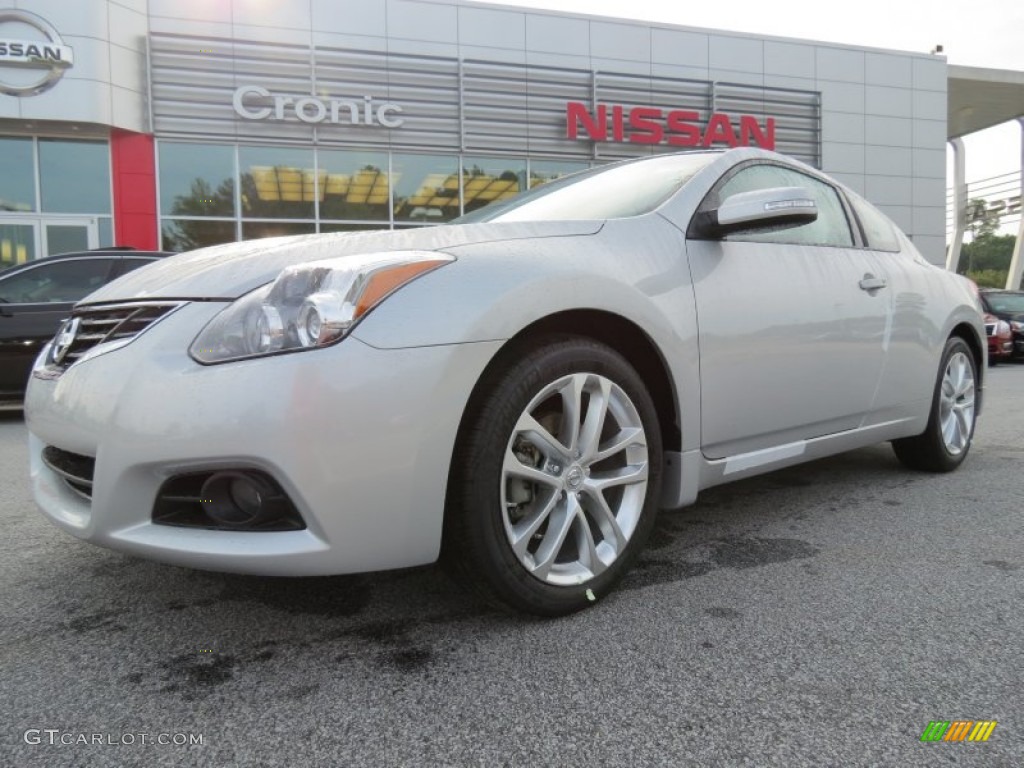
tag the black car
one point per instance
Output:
(1008, 306)
(36, 296)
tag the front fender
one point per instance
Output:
(634, 268)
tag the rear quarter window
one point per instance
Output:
(879, 232)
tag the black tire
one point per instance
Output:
(930, 451)
(477, 549)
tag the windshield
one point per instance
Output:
(610, 192)
(1005, 302)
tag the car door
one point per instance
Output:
(33, 302)
(791, 322)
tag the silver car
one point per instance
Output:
(517, 393)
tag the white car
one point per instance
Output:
(518, 392)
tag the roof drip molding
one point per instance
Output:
(979, 98)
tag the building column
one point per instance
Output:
(133, 161)
(959, 204)
(1017, 262)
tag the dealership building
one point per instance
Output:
(177, 124)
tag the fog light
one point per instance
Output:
(241, 499)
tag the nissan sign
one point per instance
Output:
(33, 56)
(677, 127)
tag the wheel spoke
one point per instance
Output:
(620, 442)
(524, 530)
(532, 431)
(963, 426)
(628, 475)
(572, 410)
(513, 466)
(559, 523)
(605, 519)
(593, 424)
(966, 391)
(585, 544)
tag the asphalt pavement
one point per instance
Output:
(822, 615)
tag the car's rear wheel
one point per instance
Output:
(555, 480)
(944, 444)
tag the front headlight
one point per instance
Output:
(1003, 328)
(309, 305)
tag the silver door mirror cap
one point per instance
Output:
(775, 208)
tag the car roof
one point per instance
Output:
(97, 252)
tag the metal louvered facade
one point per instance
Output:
(237, 119)
(446, 104)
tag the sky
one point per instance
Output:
(978, 33)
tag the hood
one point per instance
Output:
(232, 270)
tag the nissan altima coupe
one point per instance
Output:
(517, 393)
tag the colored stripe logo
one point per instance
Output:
(959, 730)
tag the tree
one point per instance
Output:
(987, 256)
(981, 219)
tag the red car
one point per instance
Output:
(1000, 339)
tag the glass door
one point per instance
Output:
(30, 237)
(61, 235)
(19, 241)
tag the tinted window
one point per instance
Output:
(1006, 302)
(354, 185)
(68, 280)
(17, 175)
(197, 179)
(74, 176)
(612, 192)
(877, 229)
(425, 188)
(830, 228)
(487, 180)
(277, 182)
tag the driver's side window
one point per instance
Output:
(830, 228)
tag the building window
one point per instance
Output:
(253, 230)
(189, 234)
(74, 176)
(17, 175)
(543, 171)
(197, 180)
(278, 183)
(218, 193)
(426, 188)
(355, 185)
(488, 179)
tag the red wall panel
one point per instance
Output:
(133, 163)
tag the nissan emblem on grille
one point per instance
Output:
(65, 338)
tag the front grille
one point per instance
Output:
(74, 469)
(112, 322)
(990, 329)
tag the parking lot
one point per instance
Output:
(821, 615)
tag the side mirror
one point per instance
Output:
(762, 209)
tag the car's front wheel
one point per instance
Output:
(944, 444)
(556, 478)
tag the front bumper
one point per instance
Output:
(359, 438)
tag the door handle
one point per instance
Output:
(871, 283)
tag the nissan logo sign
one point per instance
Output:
(33, 56)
